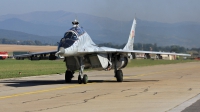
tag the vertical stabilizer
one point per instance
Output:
(129, 45)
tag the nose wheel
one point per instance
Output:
(83, 80)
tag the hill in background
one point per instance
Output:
(21, 36)
(50, 27)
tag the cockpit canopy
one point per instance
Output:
(71, 36)
(78, 30)
(68, 39)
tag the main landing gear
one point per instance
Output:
(119, 75)
(118, 72)
(68, 76)
(83, 78)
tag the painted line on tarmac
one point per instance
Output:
(41, 91)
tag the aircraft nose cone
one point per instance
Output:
(62, 50)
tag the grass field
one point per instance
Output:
(11, 68)
(149, 62)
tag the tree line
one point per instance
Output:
(137, 46)
(153, 47)
(24, 42)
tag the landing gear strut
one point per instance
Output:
(79, 79)
(82, 78)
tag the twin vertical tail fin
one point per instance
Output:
(129, 44)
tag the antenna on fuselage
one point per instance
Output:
(135, 16)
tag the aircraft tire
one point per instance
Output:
(119, 75)
(68, 76)
(79, 79)
(85, 79)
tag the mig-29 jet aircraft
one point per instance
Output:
(79, 52)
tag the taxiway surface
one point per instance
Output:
(159, 88)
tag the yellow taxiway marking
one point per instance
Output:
(78, 85)
(41, 91)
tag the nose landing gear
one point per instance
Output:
(83, 80)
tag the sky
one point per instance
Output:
(168, 11)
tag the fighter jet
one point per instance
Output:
(80, 52)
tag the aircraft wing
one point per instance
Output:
(113, 50)
(35, 54)
(155, 52)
